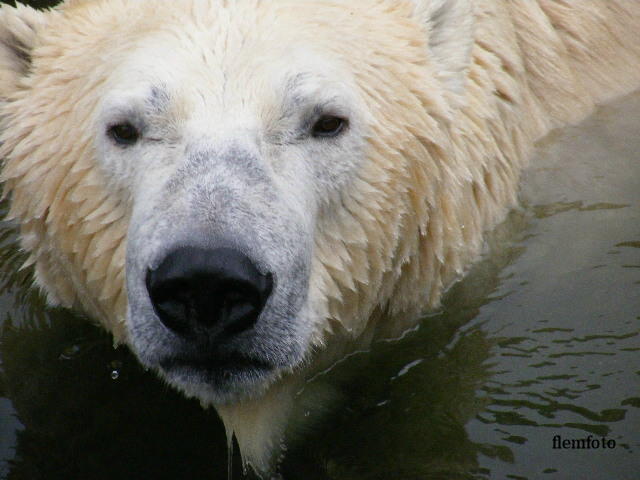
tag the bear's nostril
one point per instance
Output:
(195, 290)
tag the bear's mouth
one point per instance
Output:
(220, 372)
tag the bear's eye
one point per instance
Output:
(328, 126)
(124, 133)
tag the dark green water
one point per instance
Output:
(542, 339)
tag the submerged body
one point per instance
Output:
(234, 192)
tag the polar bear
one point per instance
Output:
(241, 191)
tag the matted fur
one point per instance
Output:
(457, 90)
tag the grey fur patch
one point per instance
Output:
(232, 162)
(158, 100)
(217, 196)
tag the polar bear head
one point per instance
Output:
(223, 185)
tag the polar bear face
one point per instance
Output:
(225, 162)
(222, 184)
(222, 141)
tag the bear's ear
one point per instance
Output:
(18, 36)
(450, 28)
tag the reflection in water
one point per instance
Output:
(540, 340)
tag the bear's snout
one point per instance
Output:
(208, 294)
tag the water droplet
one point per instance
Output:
(114, 367)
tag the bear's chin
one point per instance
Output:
(218, 381)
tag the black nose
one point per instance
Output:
(217, 290)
